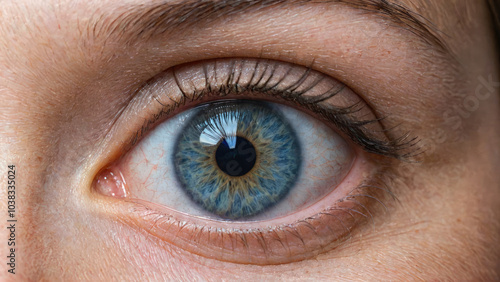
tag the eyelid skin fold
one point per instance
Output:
(307, 232)
(320, 95)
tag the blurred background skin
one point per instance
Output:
(53, 111)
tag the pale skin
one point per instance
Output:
(63, 85)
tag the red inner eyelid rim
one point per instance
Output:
(356, 152)
(282, 220)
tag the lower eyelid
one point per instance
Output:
(314, 230)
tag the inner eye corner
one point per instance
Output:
(110, 182)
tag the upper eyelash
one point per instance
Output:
(403, 148)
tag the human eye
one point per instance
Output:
(251, 161)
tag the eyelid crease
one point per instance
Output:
(297, 85)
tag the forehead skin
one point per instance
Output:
(58, 102)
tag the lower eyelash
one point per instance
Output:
(303, 239)
(348, 119)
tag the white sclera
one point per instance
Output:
(326, 160)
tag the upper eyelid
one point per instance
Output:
(343, 71)
(360, 129)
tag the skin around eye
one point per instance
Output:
(335, 181)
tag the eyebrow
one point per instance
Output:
(145, 21)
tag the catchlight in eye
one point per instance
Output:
(236, 159)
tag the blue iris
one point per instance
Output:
(237, 158)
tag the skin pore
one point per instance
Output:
(72, 76)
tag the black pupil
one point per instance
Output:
(236, 161)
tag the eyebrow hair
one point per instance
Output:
(144, 21)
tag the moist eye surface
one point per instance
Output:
(237, 158)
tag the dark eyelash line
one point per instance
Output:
(403, 148)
